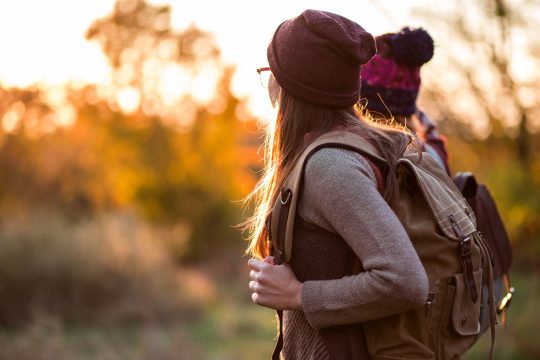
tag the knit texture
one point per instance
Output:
(300, 340)
(317, 55)
(340, 195)
(391, 80)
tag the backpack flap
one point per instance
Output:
(457, 222)
(443, 197)
(450, 210)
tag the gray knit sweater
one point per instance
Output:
(340, 195)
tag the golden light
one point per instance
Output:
(41, 50)
(10, 120)
(128, 98)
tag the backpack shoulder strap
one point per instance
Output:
(466, 183)
(284, 210)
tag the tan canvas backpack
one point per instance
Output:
(442, 228)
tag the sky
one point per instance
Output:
(43, 41)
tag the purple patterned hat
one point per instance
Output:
(391, 80)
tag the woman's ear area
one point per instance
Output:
(274, 90)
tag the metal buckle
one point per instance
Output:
(465, 246)
(506, 300)
(289, 195)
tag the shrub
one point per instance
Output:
(112, 269)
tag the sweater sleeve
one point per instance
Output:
(340, 195)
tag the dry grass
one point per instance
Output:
(106, 289)
(111, 270)
(48, 339)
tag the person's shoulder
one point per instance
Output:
(338, 162)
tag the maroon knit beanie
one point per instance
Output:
(317, 55)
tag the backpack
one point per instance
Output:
(489, 222)
(442, 228)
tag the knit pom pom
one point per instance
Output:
(412, 47)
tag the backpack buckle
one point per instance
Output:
(465, 246)
(465, 257)
(506, 300)
(288, 194)
(464, 240)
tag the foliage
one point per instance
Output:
(98, 210)
(483, 91)
(110, 270)
(108, 160)
(486, 75)
(153, 59)
(516, 188)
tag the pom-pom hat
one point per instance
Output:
(391, 80)
(317, 55)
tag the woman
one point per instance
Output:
(343, 219)
(391, 82)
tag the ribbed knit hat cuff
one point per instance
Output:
(389, 101)
(316, 57)
(309, 94)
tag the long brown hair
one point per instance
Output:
(297, 122)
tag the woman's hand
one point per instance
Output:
(274, 286)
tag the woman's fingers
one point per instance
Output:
(253, 285)
(260, 270)
(274, 286)
(257, 264)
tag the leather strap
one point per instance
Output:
(491, 293)
(506, 300)
(465, 256)
(279, 343)
(278, 225)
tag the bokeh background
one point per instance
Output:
(130, 132)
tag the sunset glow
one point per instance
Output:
(43, 51)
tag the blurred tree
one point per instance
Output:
(490, 70)
(484, 90)
(151, 58)
(24, 116)
(175, 162)
(24, 111)
(191, 174)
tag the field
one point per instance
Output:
(226, 327)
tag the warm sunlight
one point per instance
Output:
(132, 133)
(42, 51)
